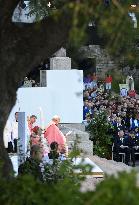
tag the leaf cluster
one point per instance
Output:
(101, 134)
(26, 190)
(112, 21)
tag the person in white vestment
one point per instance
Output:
(130, 82)
(7, 137)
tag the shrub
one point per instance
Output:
(101, 135)
(115, 190)
(26, 190)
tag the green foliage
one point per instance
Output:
(26, 190)
(100, 133)
(31, 167)
(61, 170)
(52, 172)
(113, 22)
(56, 170)
(43, 8)
(116, 190)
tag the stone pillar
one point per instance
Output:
(60, 63)
(21, 137)
(43, 78)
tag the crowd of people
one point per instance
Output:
(122, 112)
(94, 94)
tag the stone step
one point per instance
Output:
(82, 138)
(85, 147)
(79, 126)
(81, 135)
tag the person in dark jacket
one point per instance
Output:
(131, 142)
(121, 146)
(134, 143)
(54, 154)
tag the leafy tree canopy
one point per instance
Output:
(112, 19)
(23, 46)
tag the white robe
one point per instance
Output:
(14, 127)
(7, 134)
(128, 79)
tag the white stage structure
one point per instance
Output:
(63, 96)
(94, 170)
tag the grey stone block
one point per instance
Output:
(84, 144)
(79, 126)
(85, 147)
(60, 63)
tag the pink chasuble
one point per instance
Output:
(53, 134)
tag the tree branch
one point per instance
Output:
(6, 10)
(21, 49)
(28, 45)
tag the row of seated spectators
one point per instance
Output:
(94, 95)
(122, 113)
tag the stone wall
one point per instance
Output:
(103, 60)
(134, 72)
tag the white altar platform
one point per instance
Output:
(95, 170)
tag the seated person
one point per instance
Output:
(132, 144)
(121, 145)
(136, 129)
(32, 164)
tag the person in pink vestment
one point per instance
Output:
(31, 121)
(53, 134)
(35, 138)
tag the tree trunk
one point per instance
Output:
(22, 48)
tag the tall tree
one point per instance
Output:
(22, 47)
